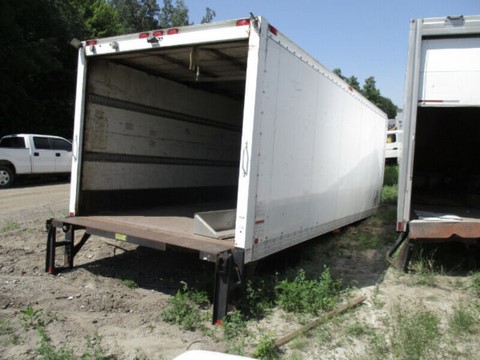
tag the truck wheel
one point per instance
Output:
(6, 177)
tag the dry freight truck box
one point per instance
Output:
(439, 176)
(224, 138)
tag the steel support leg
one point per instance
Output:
(51, 245)
(69, 246)
(222, 281)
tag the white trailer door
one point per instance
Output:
(450, 72)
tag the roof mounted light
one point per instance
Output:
(243, 22)
(173, 31)
(273, 30)
(158, 33)
(143, 35)
(91, 42)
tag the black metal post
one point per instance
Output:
(69, 245)
(222, 281)
(51, 244)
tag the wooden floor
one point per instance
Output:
(154, 227)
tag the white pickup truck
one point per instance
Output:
(31, 154)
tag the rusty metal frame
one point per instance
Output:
(465, 229)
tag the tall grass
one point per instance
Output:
(390, 175)
(390, 185)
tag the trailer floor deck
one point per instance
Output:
(444, 222)
(154, 227)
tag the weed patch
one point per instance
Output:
(390, 194)
(414, 336)
(464, 320)
(424, 268)
(47, 351)
(408, 336)
(234, 326)
(129, 283)
(308, 296)
(258, 298)
(10, 225)
(9, 332)
(390, 175)
(184, 309)
(266, 349)
(31, 318)
(476, 283)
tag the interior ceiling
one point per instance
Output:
(219, 68)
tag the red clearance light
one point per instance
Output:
(91, 42)
(399, 226)
(158, 33)
(172, 31)
(143, 35)
(272, 30)
(243, 22)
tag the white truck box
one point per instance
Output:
(232, 139)
(439, 176)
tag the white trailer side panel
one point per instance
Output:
(320, 152)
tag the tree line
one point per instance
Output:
(370, 91)
(38, 66)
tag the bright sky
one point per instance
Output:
(361, 37)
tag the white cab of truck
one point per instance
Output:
(392, 148)
(31, 154)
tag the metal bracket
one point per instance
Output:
(219, 224)
(69, 244)
(229, 274)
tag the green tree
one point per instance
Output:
(388, 106)
(137, 15)
(37, 66)
(101, 19)
(370, 91)
(209, 16)
(353, 81)
(171, 16)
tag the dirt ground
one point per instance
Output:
(94, 297)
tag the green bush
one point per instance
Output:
(308, 296)
(390, 175)
(184, 309)
(390, 194)
(266, 349)
(257, 298)
(234, 326)
(130, 283)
